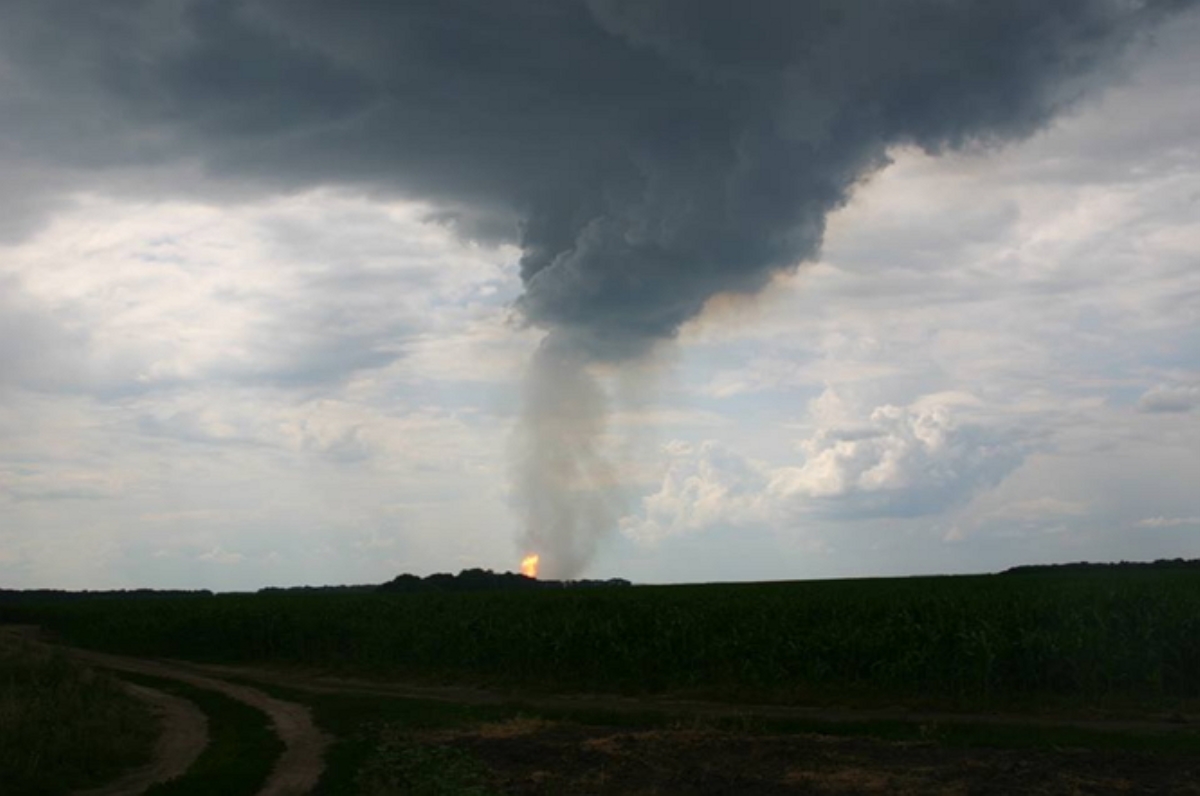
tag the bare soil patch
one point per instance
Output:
(563, 758)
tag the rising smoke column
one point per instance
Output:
(653, 153)
(564, 485)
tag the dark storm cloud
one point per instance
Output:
(656, 152)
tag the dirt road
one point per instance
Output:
(298, 768)
(183, 734)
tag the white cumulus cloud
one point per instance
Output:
(705, 485)
(896, 461)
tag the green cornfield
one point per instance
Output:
(1085, 636)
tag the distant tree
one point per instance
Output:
(1088, 566)
(473, 580)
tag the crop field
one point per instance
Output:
(1084, 637)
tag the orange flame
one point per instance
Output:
(529, 565)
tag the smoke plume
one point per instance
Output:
(566, 487)
(653, 153)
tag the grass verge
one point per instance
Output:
(64, 726)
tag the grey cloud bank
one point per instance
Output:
(655, 153)
(1164, 398)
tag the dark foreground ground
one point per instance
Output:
(1032, 682)
(534, 758)
(296, 731)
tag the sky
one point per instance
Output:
(277, 290)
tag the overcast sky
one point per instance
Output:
(255, 331)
